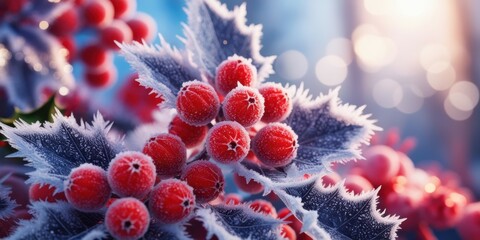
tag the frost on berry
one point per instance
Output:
(206, 179)
(171, 201)
(87, 188)
(192, 136)
(244, 105)
(278, 102)
(275, 145)
(214, 33)
(127, 218)
(55, 148)
(197, 103)
(235, 71)
(228, 142)
(168, 152)
(131, 174)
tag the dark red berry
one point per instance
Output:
(228, 142)
(169, 154)
(275, 145)
(206, 179)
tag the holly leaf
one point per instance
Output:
(328, 131)
(55, 148)
(162, 68)
(31, 63)
(341, 214)
(238, 222)
(214, 33)
(57, 221)
(7, 205)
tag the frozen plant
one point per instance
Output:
(274, 139)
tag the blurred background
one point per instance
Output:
(414, 63)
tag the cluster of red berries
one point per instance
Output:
(105, 20)
(426, 198)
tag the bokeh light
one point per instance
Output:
(291, 65)
(331, 70)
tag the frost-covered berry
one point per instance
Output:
(131, 174)
(100, 77)
(143, 27)
(228, 142)
(127, 218)
(87, 188)
(192, 136)
(168, 152)
(45, 192)
(123, 7)
(244, 105)
(265, 207)
(66, 23)
(206, 179)
(197, 103)
(94, 55)
(232, 71)
(278, 104)
(275, 145)
(171, 201)
(251, 186)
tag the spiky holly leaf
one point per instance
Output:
(56, 221)
(55, 148)
(162, 231)
(328, 131)
(341, 214)
(7, 205)
(214, 33)
(162, 68)
(238, 222)
(31, 63)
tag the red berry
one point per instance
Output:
(131, 174)
(143, 27)
(357, 184)
(278, 104)
(291, 220)
(87, 187)
(101, 77)
(232, 199)
(469, 225)
(330, 179)
(406, 165)
(127, 218)
(197, 103)
(45, 192)
(98, 13)
(275, 145)
(251, 187)
(8, 225)
(232, 71)
(123, 7)
(169, 154)
(287, 232)
(116, 31)
(228, 142)
(265, 207)
(192, 136)
(206, 179)
(405, 204)
(65, 24)
(381, 164)
(243, 105)
(95, 56)
(171, 201)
